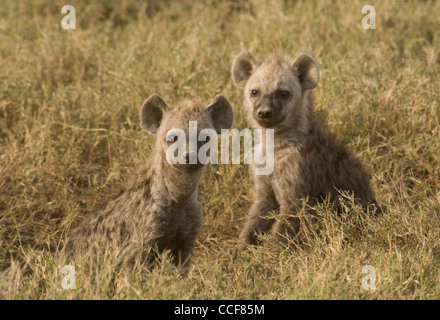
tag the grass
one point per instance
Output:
(69, 133)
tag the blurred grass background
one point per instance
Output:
(69, 133)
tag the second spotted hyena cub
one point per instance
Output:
(159, 209)
(309, 161)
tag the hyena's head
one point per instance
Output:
(183, 129)
(274, 89)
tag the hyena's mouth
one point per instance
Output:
(267, 123)
(189, 167)
(270, 119)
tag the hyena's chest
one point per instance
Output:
(300, 173)
(184, 222)
(293, 176)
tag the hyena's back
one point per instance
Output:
(329, 168)
(116, 220)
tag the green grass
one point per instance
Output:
(69, 133)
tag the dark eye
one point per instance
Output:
(255, 93)
(284, 94)
(172, 138)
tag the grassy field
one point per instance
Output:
(69, 134)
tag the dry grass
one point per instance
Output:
(69, 133)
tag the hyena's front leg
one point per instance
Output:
(294, 220)
(183, 255)
(288, 228)
(186, 242)
(289, 225)
(258, 218)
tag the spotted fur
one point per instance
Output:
(159, 207)
(309, 161)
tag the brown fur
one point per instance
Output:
(159, 208)
(309, 161)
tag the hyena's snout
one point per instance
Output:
(189, 161)
(267, 112)
(264, 113)
(190, 157)
(263, 110)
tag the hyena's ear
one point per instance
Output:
(152, 112)
(220, 112)
(242, 67)
(307, 71)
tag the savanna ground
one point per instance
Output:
(69, 133)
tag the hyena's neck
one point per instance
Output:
(297, 123)
(173, 184)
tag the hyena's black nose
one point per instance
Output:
(264, 113)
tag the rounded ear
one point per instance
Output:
(242, 67)
(307, 71)
(221, 113)
(152, 112)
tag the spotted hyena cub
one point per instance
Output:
(309, 161)
(159, 208)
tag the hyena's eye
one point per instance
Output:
(254, 93)
(283, 94)
(172, 138)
